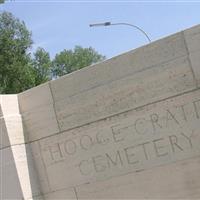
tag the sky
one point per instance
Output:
(59, 25)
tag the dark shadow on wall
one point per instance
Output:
(32, 173)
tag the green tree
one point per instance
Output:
(42, 66)
(68, 61)
(16, 71)
(2, 1)
(19, 71)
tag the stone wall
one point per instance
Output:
(18, 178)
(124, 128)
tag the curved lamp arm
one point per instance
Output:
(121, 23)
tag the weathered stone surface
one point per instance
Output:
(9, 105)
(18, 177)
(17, 173)
(40, 167)
(156, 53)
(136, 140)
(195, 60)
(38, 113)
(35, 97)
(121, 129)
(11, 127)
(10, 187)
(4, 139)
(135, 90)
(39, 123)
(63, 194)
(11, 131)
(178, 180)
(10, 121)
(1, 114)
(192, 37)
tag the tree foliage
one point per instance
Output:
(20, 71)
(42, 66)
(68, 61)
(15, 67)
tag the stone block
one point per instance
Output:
(11, 128)
(18, 177)
(9, 105)
(4, 139)
(195, 62)
(137, 140)
(10, 187)
(1, 113)
(156, 53)
(37, 109)
(11, 131)
(40, 167)
(26, 170)
(35, 97)
(192, 37)
(40, 122)
(67, 194)
(178, 180)
(137, 89)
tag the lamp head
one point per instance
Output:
(101, 24)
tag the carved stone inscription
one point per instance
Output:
(137, 140)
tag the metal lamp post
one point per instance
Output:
(126, 24)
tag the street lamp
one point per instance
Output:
(126, 24)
